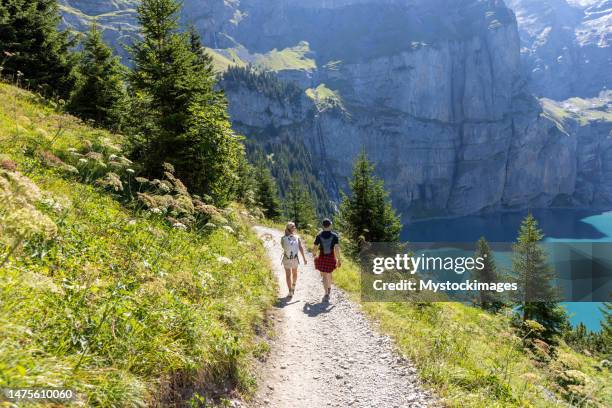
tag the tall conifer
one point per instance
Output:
(366, 214)
(100, 93)
(299, 206)
(266, 193)
(537, 295)
(488, 300)
(34, 49)
(182, 119)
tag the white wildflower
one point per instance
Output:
(229, 229)
(125, 160)
(210, 225)
(155, 210)
(131, 171)
(52, 204)
(224, 260)
(83, 160)
(112, 181)
(70, 169)
(179, 225)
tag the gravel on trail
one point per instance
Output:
(329, 354)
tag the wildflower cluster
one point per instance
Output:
(168, 196)
(19, 218)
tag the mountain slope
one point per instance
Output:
(110, 300)
(435, 91)
(566, 46)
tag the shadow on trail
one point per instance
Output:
(315, 309)
(284, 301)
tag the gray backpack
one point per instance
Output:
(326, 243)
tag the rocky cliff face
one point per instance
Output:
(566, 45)
(433, 90)
(116, 19)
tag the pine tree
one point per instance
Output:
(210, 153)
(299, 206)
(266, 193)
(33, 46)
(100, 93)
(606, 328)
(204, 60)
(169, 74)
(367, 214)
(537, 297)
(488, 300)
(245, 189)
(181, 118)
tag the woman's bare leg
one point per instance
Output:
(294, 273)
(288, 277)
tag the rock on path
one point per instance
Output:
(328, 355)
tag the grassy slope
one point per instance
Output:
(120, 306)
(473, 359)
(221, 63)
(293, 58)
(324, 97)
(584, 111)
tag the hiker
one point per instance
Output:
(327, 244)
(292, 245)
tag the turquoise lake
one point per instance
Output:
(557, 225)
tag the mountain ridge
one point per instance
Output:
(446, 112)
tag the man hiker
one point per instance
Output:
(328, 246)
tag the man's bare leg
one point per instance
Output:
(326, 283)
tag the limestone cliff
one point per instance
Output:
(566, 45)
(434, 90)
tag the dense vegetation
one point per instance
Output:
(289, 159)
(100, 93)
(131, 291)
(35, 53)
(299, 206)
(263, 82)
(122, 258)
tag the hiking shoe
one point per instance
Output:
(326, 298)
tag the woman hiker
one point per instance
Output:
(327, 244)
(292, 245)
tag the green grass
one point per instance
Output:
(116, 303)
(471, 358)
(583, 111)
(293, 58)
(325, 98)
(221, 63)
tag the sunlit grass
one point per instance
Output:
(292, 58)
(471, 358)
(119, 305)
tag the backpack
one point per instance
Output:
(326, 243)
(291, 246)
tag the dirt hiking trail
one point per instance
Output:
(328, 354)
